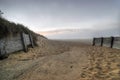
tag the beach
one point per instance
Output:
(62, 60)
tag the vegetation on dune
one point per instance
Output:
(8, 28)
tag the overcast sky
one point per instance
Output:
(65, 18)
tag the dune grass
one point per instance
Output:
(8, 28)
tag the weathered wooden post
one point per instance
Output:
(93, 42)
(24, 42)
(31, 40)
(112, 42)
(3, 54)
(102, 41)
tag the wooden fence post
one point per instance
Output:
(93, 42)
(0, 51)
(31, 40)
(24, 42)
(3, 54)
(112, 42)
(102, 41)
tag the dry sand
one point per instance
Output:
(62, 60)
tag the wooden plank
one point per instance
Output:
(25, 48)
(98, 41)
(107, 41)
(116, 43)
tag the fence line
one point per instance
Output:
(15, 43)
(112, 42)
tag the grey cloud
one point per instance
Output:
(84, 33)
(57, 14)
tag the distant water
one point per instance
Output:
(86, 41)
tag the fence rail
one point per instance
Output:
(112, 42)
(15, 43)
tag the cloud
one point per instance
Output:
(58, 13)
(101, 30)
(65, 18)
(60, 31)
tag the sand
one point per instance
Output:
(104, 64)
(62, 60)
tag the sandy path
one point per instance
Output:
(52, 60)
(65, 66)
(62, 60)
(20, 62)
